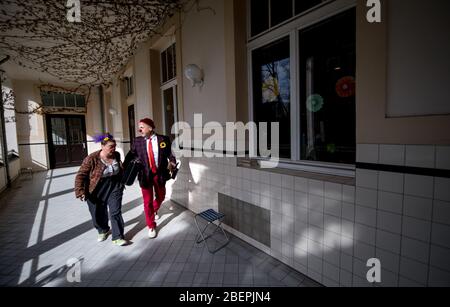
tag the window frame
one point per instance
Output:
(292, 28)
(75, 96)
(165, 69)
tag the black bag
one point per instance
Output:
(174, 172)
(131, 172)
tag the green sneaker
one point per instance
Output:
(119, 242)
(102, 237)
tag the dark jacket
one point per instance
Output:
(139, 151)
(90, 173)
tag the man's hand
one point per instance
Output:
(83, 197)
(172, 166)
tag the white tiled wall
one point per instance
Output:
(412, 213)
(328, 231)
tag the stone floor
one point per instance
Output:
(44, 230)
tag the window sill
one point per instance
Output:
(341, 174)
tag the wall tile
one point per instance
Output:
(333, 257)
(366, 197)
(333, 207)
(443, 157)
(348, 211)
(420, 156)
(391, 182)
(316, 187)
(439, 278)
(365, 234)
(301, 184)
(367, 153)
(391, 202)
(316, 203)
(388, 241)
(346, 262)
(389, 261)
(364, 252)
(331, 271)
(418, 207)
(441, 212)
(301, 199)
(442, 189)
(439, 257)
(415, 250)
(348, 193)
(367, 178)
(440, 235)
(413, 270)
(345, 278)
(287, 182)
(388, 279)
(389, 221)
(392, 154)
(366, 216)
(416, 185)
(416, 229)
(333, 191)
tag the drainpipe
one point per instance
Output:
(2, 121)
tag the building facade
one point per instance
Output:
(364, 129)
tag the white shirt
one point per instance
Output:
(110, 169)
(155, 147)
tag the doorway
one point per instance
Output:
(66, 140)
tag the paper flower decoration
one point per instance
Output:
(345, 87)
(314, 103)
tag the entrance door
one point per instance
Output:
(67, 140)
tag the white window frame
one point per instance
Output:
(292, 28)
(161, 64)
(173, 84)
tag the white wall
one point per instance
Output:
(203, 43)
(14, 169)
(31, 130)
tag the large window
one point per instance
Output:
(327, 87)
(272, 90)
(306, 81)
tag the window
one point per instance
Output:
(63, 100)
(327, 87)
(129, 86)
(306, 82)
(266, 14)
(169, 64)
(271, 90)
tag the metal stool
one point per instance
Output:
(211, 217)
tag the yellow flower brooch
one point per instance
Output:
(163, 145)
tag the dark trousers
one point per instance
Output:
(99, 214)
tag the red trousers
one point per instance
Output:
(151, 206)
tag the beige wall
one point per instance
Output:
(373, 127)
(30, 128)
(203, 43)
